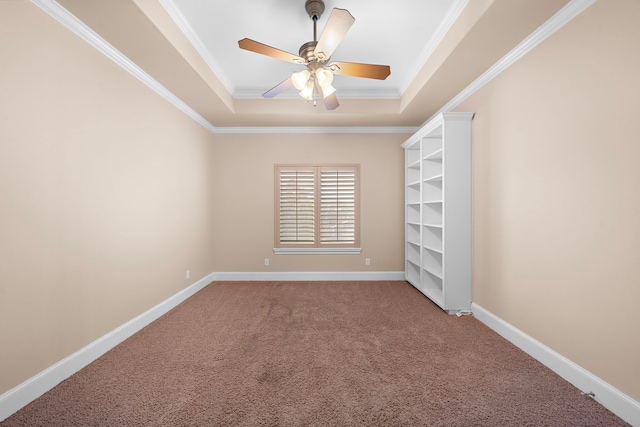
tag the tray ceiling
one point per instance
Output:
(436, 50)
(398, 34)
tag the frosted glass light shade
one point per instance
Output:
(307, 91)
(300, 79)
(325, 78)
(328, 90)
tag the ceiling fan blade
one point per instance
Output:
(284, 85)
(331, 102)
(369, 71)
(263, 49)
(337, 26)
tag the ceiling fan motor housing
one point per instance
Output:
(314, 8)
(307, 51)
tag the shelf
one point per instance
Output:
(413, 254)
(432, 262)
(413, 192)
(434, 178)
(433, 225)
(416, 264)
(432, 239)
(431, 146)
(413, 274)
(436, 280)
(432, 190)
(433, 249)
(414, 184)
(435, 156)
(432, 287)
(434, 294)
(432, 169)
(413, 175)
(432, 213)
(413, 212)
(430, 202)
(413, 235)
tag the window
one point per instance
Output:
(317, 209)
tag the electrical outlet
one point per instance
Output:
(188, 274)
(367, 261)
(266, 261)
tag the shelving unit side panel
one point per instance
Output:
(457, 262)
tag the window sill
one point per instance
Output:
(317, 251)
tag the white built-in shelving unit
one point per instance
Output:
(438, 210)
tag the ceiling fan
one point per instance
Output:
(316, 54)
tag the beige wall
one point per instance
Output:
(556, 193)
(244, 194)
(105, 191)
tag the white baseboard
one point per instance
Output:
(309, 275)
(21, 395)
(611, 398)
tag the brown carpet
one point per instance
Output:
(314, 353)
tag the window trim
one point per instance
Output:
(317, 247)
(317, 251)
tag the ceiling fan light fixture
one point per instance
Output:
(325, 78)
(307, 91)
(300, 79)
(327, 90)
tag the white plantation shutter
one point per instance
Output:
(317, 206)
(338, 206)
(297, 206)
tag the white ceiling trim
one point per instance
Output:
(198, 45)
(62, 15)
(344, 94)
(446, 23)
(553, 24)
(318, 129)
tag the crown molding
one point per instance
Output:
(317, 129)
(343, 94)
(566, 14)
(79, 28)
(553, 24)
(448, 20)
(175, 14)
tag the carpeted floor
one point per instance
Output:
(314, 354)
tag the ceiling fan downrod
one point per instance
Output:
(314, 9)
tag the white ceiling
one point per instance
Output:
(401, 34)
